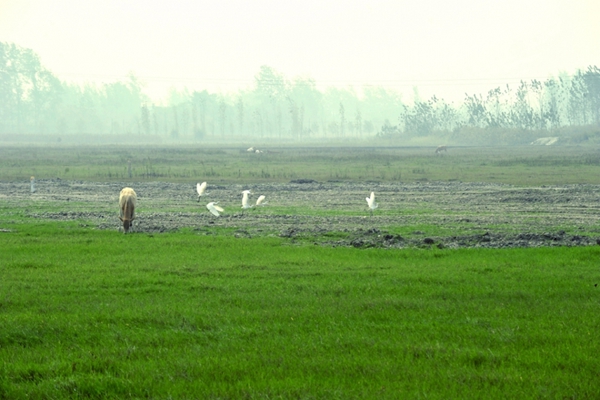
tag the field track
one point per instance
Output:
(334, 213)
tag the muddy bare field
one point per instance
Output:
(442, 214)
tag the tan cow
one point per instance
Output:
(127, 200)
(441, 148)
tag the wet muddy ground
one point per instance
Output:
(442, 214)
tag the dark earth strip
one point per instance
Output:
(334, 213)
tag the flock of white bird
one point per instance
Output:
(253, 150)
(216, 210)
(127, 206)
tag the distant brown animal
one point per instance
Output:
(441, 148)
(127, 200)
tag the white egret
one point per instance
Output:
(201, 188)
(259, 201)
(245, 203)
(214, 208)
(371, 202)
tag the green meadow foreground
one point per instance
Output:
(96, 314)
(304, 298)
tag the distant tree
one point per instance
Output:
(195, 129)
(368, 127)
(389, 131)
(334, 128)
(222, 116)
(30, 95)
(295, 115)
(592, 83)
(421, 119)
(578, 110)
(358, 123)
(308, 103)
(476, 110)
(449, 117)
(342, 120)
(175, 130)
(269, 96)
(33, 100)
(522, 113)
(240, 112)
(155, 120)
(202, 100)
(145, 119)
(279, 119)
(537, 91)
(301, 121)
(551, 115)
(379, 104)
(118, 102)
(258, 121)
(351, 128)
(270, 83)
(185, 119)
(495, 117)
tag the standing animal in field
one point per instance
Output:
(32, 183)
(441, 148)
(127, 200)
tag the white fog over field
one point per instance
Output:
(300, 69)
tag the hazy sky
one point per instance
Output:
(443, 47)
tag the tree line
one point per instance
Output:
(34, 101)
(566, 101)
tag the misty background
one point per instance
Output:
(376, 72)
(36, 105)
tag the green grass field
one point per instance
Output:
(523, 166)
(94, 314)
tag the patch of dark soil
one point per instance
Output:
(303, 181)
(289, 233)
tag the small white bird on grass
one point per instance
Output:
(260, 200)
(245, 201)
(371, 202)
(214, 208)
(201, 188)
